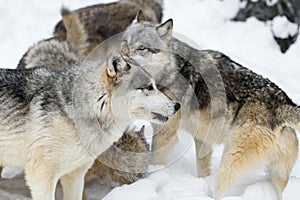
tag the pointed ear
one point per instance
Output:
(165, 30)
(142, 131)
(140, 17)
(116, 67)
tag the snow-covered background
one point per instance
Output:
(206, 22)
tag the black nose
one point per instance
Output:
(177, 106)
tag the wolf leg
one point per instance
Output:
(1, 168)
(203, 163)
(246, 147)
(284, 156)
(41, 183)
(73, 183)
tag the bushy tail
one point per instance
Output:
(60, 32)
(75, 31)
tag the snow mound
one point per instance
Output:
(165, 184)
(172, 183)
(283, 28)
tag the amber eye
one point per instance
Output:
(141, 47)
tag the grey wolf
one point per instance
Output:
(54, 123)
(60, 55)
(246, 112)
(124, 168)
(87, 27)
(124, 162)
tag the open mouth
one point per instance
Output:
(159, 117)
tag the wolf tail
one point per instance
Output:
(155, 6)
(60, 31)
(75, 31)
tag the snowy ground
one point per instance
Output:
(206, 22)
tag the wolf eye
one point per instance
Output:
(149, 88)
(141, 48)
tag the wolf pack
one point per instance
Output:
(66, 112)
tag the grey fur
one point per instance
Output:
(241, 84)
(99, 22)
(56, 122)
(231, 105)
(124, 162)
(49, 52)
(51, 91)
(60, 55)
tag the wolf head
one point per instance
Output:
(147, 42)
(134, 93)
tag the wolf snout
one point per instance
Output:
(174, 106)
(177, 106)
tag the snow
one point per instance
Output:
(10, 172)
(164, 184)
(205, 24)
(271, 2)
(283, 28)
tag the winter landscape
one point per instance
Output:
(207, 25)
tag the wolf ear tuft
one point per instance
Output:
(112, 66)
(165, 30)
(140, 17)
(116, 66)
